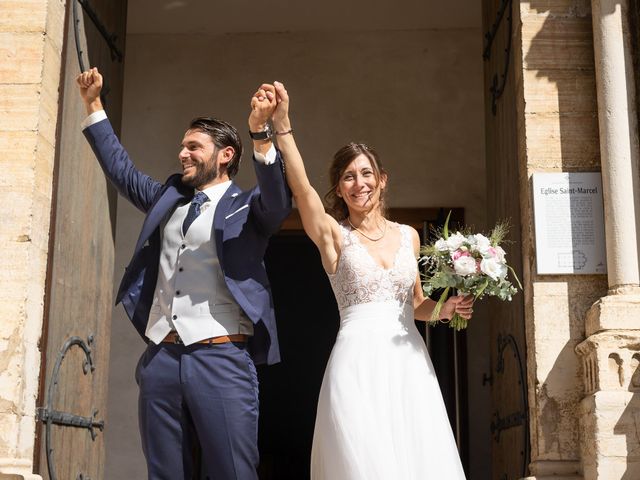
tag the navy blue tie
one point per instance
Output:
(194, 210)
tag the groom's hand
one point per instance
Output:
(90, 86)
(263, 103)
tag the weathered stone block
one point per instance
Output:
(614, 312)
(43, 170)
(55, 25)
(21, 57)
(19, 107)
(610, 435)
(557, 43)
(555, 8)
(556, 370)
(16, 221)
(12, 468)
(554, 470)
(8, 431)
(562, 142)
(566, 91)
(23, 15)
(49, 91)
(17, 152)
(18, 180)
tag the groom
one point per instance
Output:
(196, 289)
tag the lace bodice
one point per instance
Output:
(360, 279)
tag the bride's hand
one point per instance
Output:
(462, 305)
(281, 122)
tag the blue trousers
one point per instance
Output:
(198, 396)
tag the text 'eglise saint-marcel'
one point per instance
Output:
(569, 191)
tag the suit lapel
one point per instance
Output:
(221, 211)
(167, 201)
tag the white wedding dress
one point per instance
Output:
(380, 412)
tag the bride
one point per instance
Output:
(380, 412)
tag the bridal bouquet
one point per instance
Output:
(472, 264)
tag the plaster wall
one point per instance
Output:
(416, 96)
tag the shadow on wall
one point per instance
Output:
(566, 110)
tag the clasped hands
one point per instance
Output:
(270, 102)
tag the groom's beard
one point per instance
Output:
(205, 173)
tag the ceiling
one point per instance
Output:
(251, 16)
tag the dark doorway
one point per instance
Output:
(307, 317)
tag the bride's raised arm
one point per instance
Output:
(321, 228)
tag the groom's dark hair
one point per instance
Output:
(223, 135)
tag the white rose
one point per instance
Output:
(455, 241)
(482, 243)
(441, 245)
(464, 265)
(500, 253)
(493, 268)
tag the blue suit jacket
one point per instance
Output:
(241, 240)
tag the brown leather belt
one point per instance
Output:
(173, 337)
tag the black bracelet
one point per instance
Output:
(284, 133)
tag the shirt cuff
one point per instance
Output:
(95, 117)
(268, 158)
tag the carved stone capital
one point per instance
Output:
(611, 361)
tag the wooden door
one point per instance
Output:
(75, 345)
(509, 423)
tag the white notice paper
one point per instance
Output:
(569, 222)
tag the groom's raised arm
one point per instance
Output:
(273, 203)
(138, 188)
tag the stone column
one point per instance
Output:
(610, 411)
(31, 37)
(618, 142)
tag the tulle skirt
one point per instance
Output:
(380, 412)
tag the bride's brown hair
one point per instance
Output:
(336, 207)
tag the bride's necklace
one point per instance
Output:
(384, 230)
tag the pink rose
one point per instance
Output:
(459, 253)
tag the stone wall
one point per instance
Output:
(31, 37)
(558, 132)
